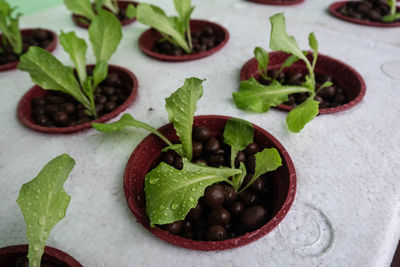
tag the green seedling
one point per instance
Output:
(9, 28)
(171, 193)
(394, 15)
(256, 97)
(174, 29)
(43, 204)
(47, 71)
(85, 8)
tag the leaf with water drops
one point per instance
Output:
(171, 193)
(43, 203)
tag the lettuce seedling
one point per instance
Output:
(171, 193)
(176, 29)
(85, 8)
(254, 96)
(47, 71)
(393, 15)
(43, 204)
(9, 27)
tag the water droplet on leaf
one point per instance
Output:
(36, 247)
(42, 220)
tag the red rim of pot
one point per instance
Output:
(24, 32)
(121, 4)
(24, 110)
(333, 9)
(149, 38)
(8, 256)
(149, 150)
(342, 74)
(277, 2)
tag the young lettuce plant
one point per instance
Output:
(43, 203)
(9, 27)
(171, 193)
(393, 15)
(47, 71)
(85, 8)
(254, 96)
(175, 29)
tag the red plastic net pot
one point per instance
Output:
(149, 38)
(24, 109)
(342, 74)
(149, 151)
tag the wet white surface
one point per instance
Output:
(347, 207)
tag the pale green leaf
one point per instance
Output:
(171, 193)
(100, 73)
(178, 148)
(111, 5)
(287, 63)
(43, 203)
(266, 161)
(181, 106)
(262, 58)
(156, 18)
(302, 114)
(280, 40)
(76, 48)
(256, 97)
(391, 18)
(237, 134)
(312, 40)
(127, 121)
(105, 34)
(50, 74)
(131, 11)
(81, 7)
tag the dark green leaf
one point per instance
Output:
(181, 106)
(130, 11)
(76, 48)
(171, 193)
(156, 18)
(266, 161)
(256, 97)
(262, 58)
(105, 34)
(127, 121)
(81, 7)
(302, 114)
(43, 203)
(238, 134)
(50, 74)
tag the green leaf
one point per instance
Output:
(127, 121)
(238, 179)
(312, 40)
(280, 40)
(262, 58)
(131, 11)
(302, 114)
(238, 134)
(171, 193)
(287, 63)
(50, 74)
(111, 5)
(100, 73)
(391, 18)
(9, 27)
(256, 97)
(81, 7)
(156, 18)
(266, 161)
(43, 203)
(76, 48)
(393, 5)
(181, 106)
(178, 148)
(324, 85)
(185, 9)
(105, 34)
